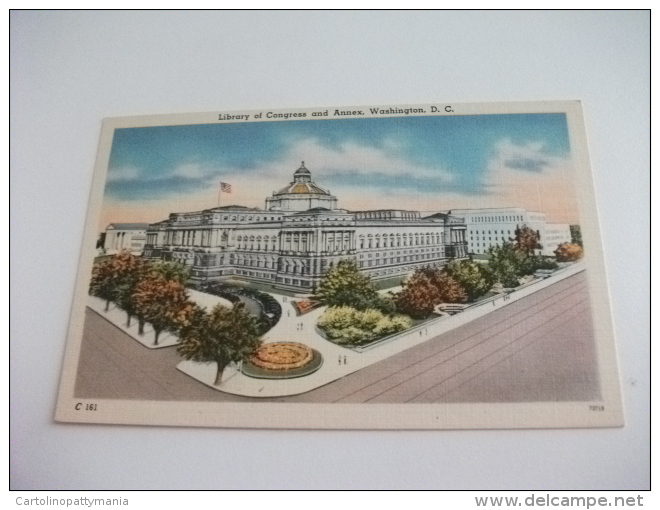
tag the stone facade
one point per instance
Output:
(492, 227)
(125, 236)
(290, 246)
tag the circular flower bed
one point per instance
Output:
(282, 360)
(282, 356)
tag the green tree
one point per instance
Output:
(163, 303)
(345, 285)
(568, 252)
(472, 276)
(527, 240)
(576, 235)
(172, 271)
(506, 264)
(223, 336)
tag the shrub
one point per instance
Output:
(348, 326)
(537, 262)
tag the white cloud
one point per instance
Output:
(190, 171)
(530, 157)
(125, 173)
(350, 158)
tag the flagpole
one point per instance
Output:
(223, 187)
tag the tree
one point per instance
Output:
(450, 290)
(115, 278)
(472, 276)
(172, 271)
(568, 252)
(418, 297)
(163, 303)
(345, 285)
(527, 240)
(576, 235)
(425, 289)
(223, 336)
(104, 283)
(129, 270)
(506, 264)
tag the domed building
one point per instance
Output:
(299, 235)
(301, 195)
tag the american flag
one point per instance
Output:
(225, 187)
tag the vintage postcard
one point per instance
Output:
(384, 267)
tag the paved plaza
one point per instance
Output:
(540, 348)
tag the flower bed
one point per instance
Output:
(282, 356)
(305, 306)
(282, 360)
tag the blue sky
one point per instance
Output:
(431, 161)
(144, 161)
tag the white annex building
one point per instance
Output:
(125, 236)
(493, 227)
(301, 233)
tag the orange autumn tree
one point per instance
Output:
(427, 288)
(103, 284)
(418, 297)
(162, 302)
(114, 279)
(568, 252)
(130, 270)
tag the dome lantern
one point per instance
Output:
(301, 195)
(302, 174)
